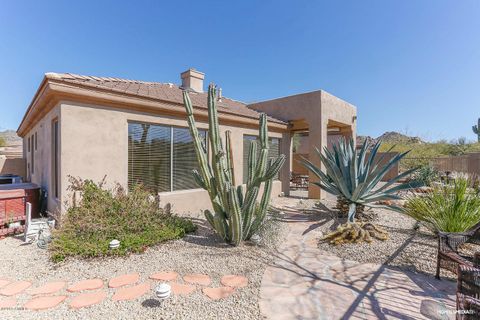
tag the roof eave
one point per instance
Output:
(53, 88)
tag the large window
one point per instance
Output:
(161, 157)
(273, 152)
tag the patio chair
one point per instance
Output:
(468, 292)
(448, 256)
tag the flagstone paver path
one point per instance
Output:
(131, 293)
(123, 280)
(46, 302)
(218, 293)
(14, 288)
(48, 288)
(89, 284)
(88, 292)
(87, 299)
(306, 283)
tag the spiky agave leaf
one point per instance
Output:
(355, 176)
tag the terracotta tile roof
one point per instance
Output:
(156, 90)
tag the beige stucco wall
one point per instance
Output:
(42, 173)
(319, 110)
(95, 144)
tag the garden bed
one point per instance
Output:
(407, 248)
(198, 252)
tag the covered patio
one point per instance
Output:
(320, 119)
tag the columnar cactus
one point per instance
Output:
(237, 214)
(476, 130)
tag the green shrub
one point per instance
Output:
(103, 215)
(421, 154)
(3, 142)
(427, 175)
(450, 208)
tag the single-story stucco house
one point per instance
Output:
(136, 131)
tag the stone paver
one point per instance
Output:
(182, 289)
(234, 281)
(131, 293)
(48, 288)
(218, 293)
(196, 278)
(123, 280)
(8, 303)
(90, 284)
(164, 276)
(307, 283)
(15, 288)
(87, 299)
(42, 303)
(4, 282)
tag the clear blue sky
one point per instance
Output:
(409, 66)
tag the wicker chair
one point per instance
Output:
(448, 256)
(468, 291)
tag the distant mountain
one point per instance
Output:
(391, 137)
(11, 137)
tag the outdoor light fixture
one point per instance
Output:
(114, 244)
(163, 291)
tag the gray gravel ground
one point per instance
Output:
(201, 252)
(406, 248)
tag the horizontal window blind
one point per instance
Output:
(149, 156)
(273, 152)
(161, 157)
(184, 159)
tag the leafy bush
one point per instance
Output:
(450, 208)
(103, 215)
(3, 142)
(427, 175)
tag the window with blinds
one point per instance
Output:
(273, 152)
(161, 158)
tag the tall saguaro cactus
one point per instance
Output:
(237, 214)
(476, 130)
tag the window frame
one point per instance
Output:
(55, 135)
(32, 155)
(245, 155)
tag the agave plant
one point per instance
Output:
(354, 178)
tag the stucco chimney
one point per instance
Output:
(192, 80)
